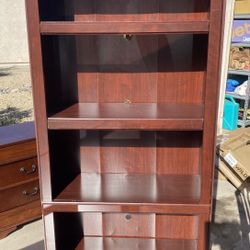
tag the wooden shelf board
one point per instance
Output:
(82, 207)
(129, 116)
(71, 27)
(101, 243)
(132, 189)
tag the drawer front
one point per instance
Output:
(19, 195)
(17, 152)
(18, 172)
(141, 225)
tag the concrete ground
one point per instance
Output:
(230, 229)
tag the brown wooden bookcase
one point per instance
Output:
(125, 99)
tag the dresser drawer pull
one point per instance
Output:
(25, 171)
(27, 193)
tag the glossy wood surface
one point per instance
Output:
(16, 152)
(10, 219)
(145, 152)
(15, 173)
(72, 28)
(119, 54)
(141, 225)
(129, 116)
(132, 188)
(211, 99)
(73, 207)
(18, 174)
(99, 243)
(15, 196)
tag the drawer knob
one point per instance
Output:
(33, 193)
(25, 171)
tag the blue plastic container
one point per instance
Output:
(231, 111)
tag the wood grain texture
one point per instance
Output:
(99, 243)
(141, 225)
(73, 207)
(150, 69)
(73, 28)
(120, 188)
(140, 152)
(15, 197)
(15, 152)
(118, 10)
(18, 173)
(10, 219)
(177, 227)
(38, 89)
(82, 54)
(211, 99)
(128, 116)
(12, 174)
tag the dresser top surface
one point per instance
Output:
(16, 133)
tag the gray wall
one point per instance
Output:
(13, 32)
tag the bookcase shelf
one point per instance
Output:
(120, 188)
(129, 116)
(72, 28)
(99, 243)
(125, 96)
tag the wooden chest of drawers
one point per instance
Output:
(19, 185)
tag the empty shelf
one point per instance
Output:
(129, 116)
(132, 188)
(99, 243)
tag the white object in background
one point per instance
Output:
(242, 89)
(228, 24)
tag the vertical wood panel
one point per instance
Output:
(177, 227)
(211, 99)
(178, 153)
(39, 98)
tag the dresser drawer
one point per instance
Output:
(141, 225)
(18, 172)
(19, 195)
(17, 152)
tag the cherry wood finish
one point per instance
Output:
(128, 116)
(19, 187)
(10, 219)
(125, 102)
(59, 28)
(118, 10)
(99, 243)
(141, 225)
(120, 188)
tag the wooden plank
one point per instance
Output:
(68, 27)
(129, 116)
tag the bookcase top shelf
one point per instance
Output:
(95, 27)
(129, 116)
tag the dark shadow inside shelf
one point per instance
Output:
(150, 139)
(132, 10)
(140, 6)
(142, 53)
